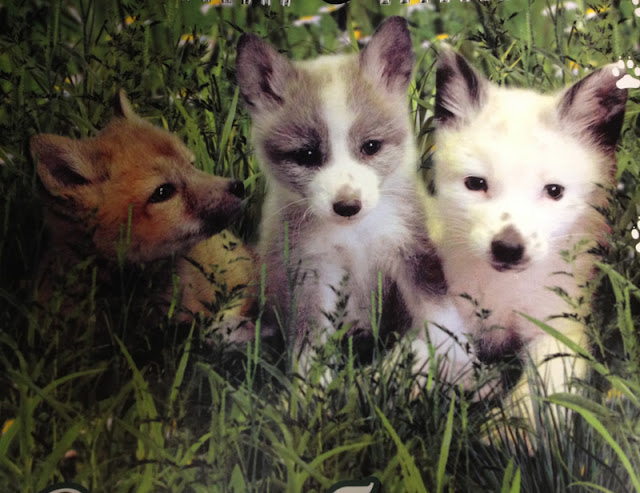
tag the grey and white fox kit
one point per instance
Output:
(334, 138)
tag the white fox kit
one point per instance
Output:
(335, 141)
(518, 178)
(137, 182)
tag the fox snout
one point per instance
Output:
(508, 250)
(347, 208)
(236, 187)
(347, 202)
(216, 214)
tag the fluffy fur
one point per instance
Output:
(133, 193)
(335, 141)
(518, 180)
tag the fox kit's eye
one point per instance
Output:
(162, 193)
(306, 157)
(554, 191)
(371, 147)
(476, 184)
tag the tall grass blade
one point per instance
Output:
(597, 425)
(413, 481)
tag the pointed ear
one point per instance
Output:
(122, 107)
(595, 106)
(460, 90)
(388, 58)
(262, 73)
(61, 166)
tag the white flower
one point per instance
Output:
(328, 9)
(416, 5)
(565, 6)
(307, 20)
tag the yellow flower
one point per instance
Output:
(573, 66)
(130, 20)
(591, 13)
(613, 394)
(358, 34)
(442, 36)
(214, 3)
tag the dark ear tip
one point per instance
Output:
(246, 39)
(396, 20)
(395, 23)
(117, 103)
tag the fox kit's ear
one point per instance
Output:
(123, 108)
(262, 73)
(460, 91)
(389, 57)
(595, 106)
(60, 163)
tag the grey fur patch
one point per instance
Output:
(424, 267)
(263, 74)
(389, 58)
(377, 117)
(296, 124)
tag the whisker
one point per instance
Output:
(288, 205)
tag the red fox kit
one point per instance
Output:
(133, 193)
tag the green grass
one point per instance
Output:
(156, 407)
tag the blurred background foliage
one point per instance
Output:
(157, 407)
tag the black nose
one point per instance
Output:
(507, 246)
(236, 187)
(347, 208)
(508, 253)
